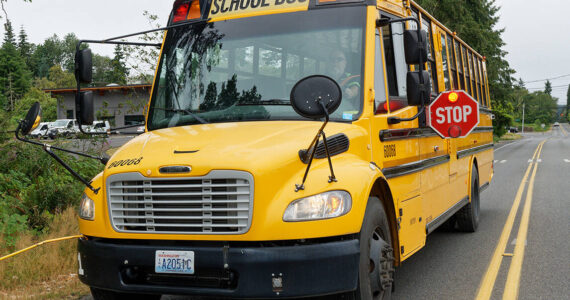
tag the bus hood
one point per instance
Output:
(246, 146)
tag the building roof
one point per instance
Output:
(101, 89)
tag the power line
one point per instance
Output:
(538, 80)
(553, 87)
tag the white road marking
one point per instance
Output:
(514, 242)
(505, 146)
(503, 161)
(567, 160)
(495, 161)
(532, 160)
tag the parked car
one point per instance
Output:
(63, 128)
(513, 129)
(98, 127)
(41, 131)
(556, 124)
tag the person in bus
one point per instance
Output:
(349, 83)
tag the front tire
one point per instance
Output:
(376, 266)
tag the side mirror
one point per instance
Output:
(32, 120)
(84, 66)
(415, 46)
(414, 88)
(87, 115)
(307, 93)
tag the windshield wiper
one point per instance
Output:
(184, 111)
(267, 102)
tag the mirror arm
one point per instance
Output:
(103, 160)
(47, 148)
(313, 147)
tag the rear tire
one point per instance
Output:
(376, 266)
(468, 216)
(99, 294)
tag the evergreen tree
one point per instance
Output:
(15, 78)
(9, 37)
(210, 97)
(119, 70)
(229, 94)
(548, 88)
(26, 49)
(568, 103)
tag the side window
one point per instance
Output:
(460, 74)
(445, 62)
(472, 75)
(466, 70)
(484, 73)
(452, 65)
(390, 61)
(480, 83)
(379, 83)
(426, 25)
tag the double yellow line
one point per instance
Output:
(563, 130)
(513, 278)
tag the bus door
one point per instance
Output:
(396, 147)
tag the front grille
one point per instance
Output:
(218, 203)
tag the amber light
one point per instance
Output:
(453, 97)
(194, 10)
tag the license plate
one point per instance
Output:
(177, 262)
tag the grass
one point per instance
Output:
(45, 272)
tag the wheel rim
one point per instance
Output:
(381, 266)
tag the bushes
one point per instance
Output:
(34, 186)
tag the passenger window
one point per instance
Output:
(452, 65)
(379, 83)
(445, 62)
(466, 70)
(461, 79)
(426, 26)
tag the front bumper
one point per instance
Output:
(252, 269)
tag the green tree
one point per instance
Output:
(101, 69)
(26, 49)
(548, 88)
(48, 54)
(61, 78)
(119, 70)
(15, 79)
(568, 103)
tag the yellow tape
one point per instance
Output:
(39, 244)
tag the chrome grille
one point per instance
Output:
(218, 203)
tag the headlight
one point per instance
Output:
(87, 208)
(322, 206)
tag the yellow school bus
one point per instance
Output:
(228, 193)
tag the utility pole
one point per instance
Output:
(523, 120)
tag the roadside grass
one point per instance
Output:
(510, 137)
(45, 272)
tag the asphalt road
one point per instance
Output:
(453, 265)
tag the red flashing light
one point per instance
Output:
(395, 104)
(454, 131)
(181, 13)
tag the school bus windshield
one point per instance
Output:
(244, 69)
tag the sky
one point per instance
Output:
(536, 32)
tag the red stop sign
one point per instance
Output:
(453, 114)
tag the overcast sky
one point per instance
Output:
(536, 32)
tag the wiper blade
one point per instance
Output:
(184, 111)
(267, 102)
